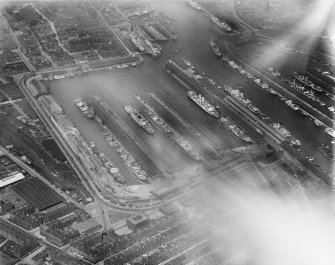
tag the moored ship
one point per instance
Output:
(281, 130)
(135, 40)
(263, 86)
(193, 4)
(331, 96)
(84, 107)
(221, 23)
(152, 114)
(295, 142)
(304, 80)
(318, 123)
(303, 112)
(327, 151)
(292, 105)
(157, 120)
(188, 64)
(330, 131)
(203, 103)
(127, 158)
(140, 120)
(215, 48)
(235, 129)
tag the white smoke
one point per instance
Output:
(266, 227)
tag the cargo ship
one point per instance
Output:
(152, 114)
(263, 86)
(157, 120)
(135, 40)
(304, 80)
(191, 3)
(140, 120)
(186, 146)
(318, 123)
(215, 48)
(127, 158)
(303, 112)
(239, 133)
(331, 96)
(221, 23)
(281, 130)
(110, 167)
(330, 131)
(203, 103)
(292, 105)
(84, 107)
(310, 94)
(233, 65)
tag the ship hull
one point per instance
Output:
(306, 83)
(139, 119)
(84, 107)
(266, 90)
(220, 24)
(214, 114)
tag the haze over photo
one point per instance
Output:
(173, 132)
